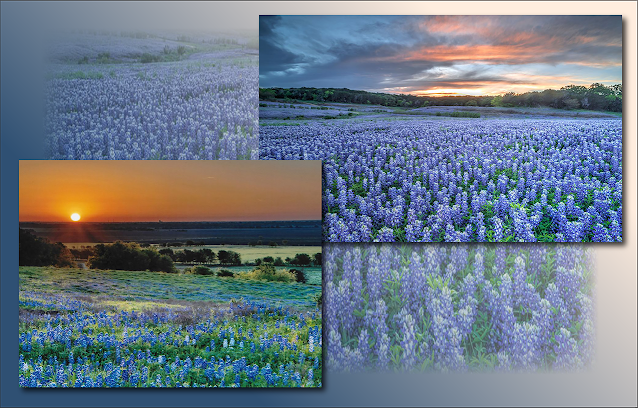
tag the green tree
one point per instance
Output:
(328, 94)
(267, 94)
(129, 257)
(299, 275)
(229, 258)
(301, 259)
(36, 251)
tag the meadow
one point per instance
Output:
(312, 273)
(250, 253)
(407, 176)
(152, 96)
(104, 328)
(458, 308)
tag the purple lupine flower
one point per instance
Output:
(429, 179)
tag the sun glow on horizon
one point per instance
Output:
(172, 191)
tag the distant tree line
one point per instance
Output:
(36, 251)
(262, 272)
(595, 97)
(297, 260)
(129, 256)
(203, 256)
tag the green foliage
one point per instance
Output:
(36, 251)
(268, 272)
(457, 114)
(167, 251)
(594, 97)
(83, 253)
(509, 172)
(80, 75)
(148, 58)
(201, 270)
(224, 273)
(299, 275)
(301, 260)
(229, 258)
(267, 94)
(103, 58)
(144, 287)
(130, 257)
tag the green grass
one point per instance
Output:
(250, 253)
(313, 273)
(158, 286)
(79, 75)
(458, 114)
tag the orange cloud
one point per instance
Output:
(525, 51)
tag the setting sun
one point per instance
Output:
(75, 217)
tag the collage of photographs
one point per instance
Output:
(386, 207)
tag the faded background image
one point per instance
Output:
(462, 307)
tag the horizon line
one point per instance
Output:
(160, 221)
(434, 95)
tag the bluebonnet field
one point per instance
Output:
(132, 329)
(458, 308)
(468, 180)
(199, 105)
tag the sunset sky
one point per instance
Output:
(248, 190)
(439, 55)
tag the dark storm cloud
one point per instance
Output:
(412, 53)
(273, 56)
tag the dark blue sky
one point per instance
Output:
(439, 54)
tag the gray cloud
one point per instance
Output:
(276, 57)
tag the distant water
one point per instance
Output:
(211, 233)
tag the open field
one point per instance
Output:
(94, 328)
(313, 273)
(303, 111)
(131, 286)
(420, 178)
